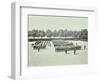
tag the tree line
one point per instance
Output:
(83, 34)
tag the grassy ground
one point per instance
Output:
(48, 56)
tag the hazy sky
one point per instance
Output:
(57, 22)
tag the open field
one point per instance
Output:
(48, 56)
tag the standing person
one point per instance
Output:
(75, 48)
(66, 51)
(74, 51)
(84, 47)
(38, 48)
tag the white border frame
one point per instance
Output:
(16, 71)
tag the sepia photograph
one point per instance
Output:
(57, 40)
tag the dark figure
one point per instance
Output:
(38, 49)
(84, 47)
(74, 51)
(66, 51)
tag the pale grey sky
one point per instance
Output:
(57, 22)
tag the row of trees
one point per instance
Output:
(60, 33)
(36, 33)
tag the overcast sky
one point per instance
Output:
(57, 22)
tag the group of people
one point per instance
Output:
(75, 48)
